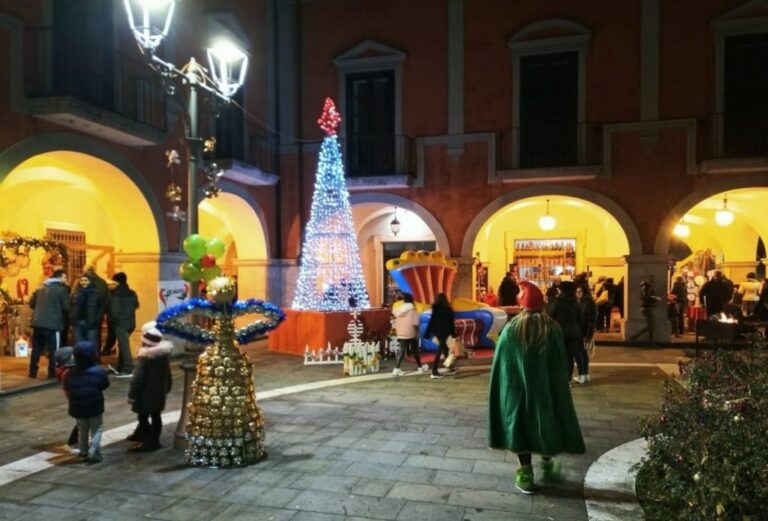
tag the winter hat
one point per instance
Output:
(150, 335)
(85, 353)
(530, 296)
(64, 357)
(120, 277)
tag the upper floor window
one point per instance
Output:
(370, 123)
(548, 108)
(370, 99)
(739, 127)
(549, 87)
(746, 103)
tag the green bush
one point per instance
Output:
(708, 448)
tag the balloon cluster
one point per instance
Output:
(201, 261)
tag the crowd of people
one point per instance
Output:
(56, 310)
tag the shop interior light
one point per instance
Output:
(150, 21)
(394, 224)
(681, 229)
(547, 222)
(228, 64)
(724, 217)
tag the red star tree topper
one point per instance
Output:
(329, 119)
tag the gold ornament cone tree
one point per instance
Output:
(225, 426)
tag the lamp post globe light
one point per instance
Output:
(150, 21)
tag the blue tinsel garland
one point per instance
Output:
(172, 320)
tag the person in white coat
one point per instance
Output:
(407, 331)
(750, 294)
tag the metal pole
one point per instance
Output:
(191, 351)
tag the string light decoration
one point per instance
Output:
(331, 275)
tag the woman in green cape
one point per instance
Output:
(529, 403)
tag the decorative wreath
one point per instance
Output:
(11, 242)
(172, 320)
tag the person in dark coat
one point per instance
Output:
(85, 312)
(715, 293)
(151, 382)
(587, 321)
(441, 325)
(102, 299)
(605, 297)
(123, 304)
(50, 307)
(508, 291)
(84, 385)
(680, 291)
(564, 309)
(648, 301)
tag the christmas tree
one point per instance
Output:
(331, 276)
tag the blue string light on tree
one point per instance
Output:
(331, 275)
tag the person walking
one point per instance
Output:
(564, 309)
(587, 321)
(84, 385)
(85, 311)
(50, 307)
(530, 409)
(151, 383)
(648, 303)
(123, 304)
(407, 332)
(441, 325)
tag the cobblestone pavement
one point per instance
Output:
(405, 449)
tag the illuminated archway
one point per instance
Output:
(748, 206)
(732, 248)
(597, 236)
(372, 214)
(237, 222)
(89, 196)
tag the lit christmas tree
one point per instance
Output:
(331, 276)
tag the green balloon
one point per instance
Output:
(195, 246)
(216, 247)
(190, 271)
(211, 273)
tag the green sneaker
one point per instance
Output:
(550, 470)
(524, 479)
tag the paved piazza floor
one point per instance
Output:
(406, 449)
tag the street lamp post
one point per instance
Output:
(150, 21)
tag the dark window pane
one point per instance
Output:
(746, 95)
(549, 89)
(370, 124)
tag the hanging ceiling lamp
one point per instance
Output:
(547, 222)
(394, 224)
(724, 216)
(681, 229)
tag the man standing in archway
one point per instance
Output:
(50, 305)
(123, 304)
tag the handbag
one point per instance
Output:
(590, 348)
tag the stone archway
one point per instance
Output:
(596, 198)
(236, 218)
(18, 153)
(664, 235)
(401, 202)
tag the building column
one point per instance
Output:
(654, 269)
(462, 284)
